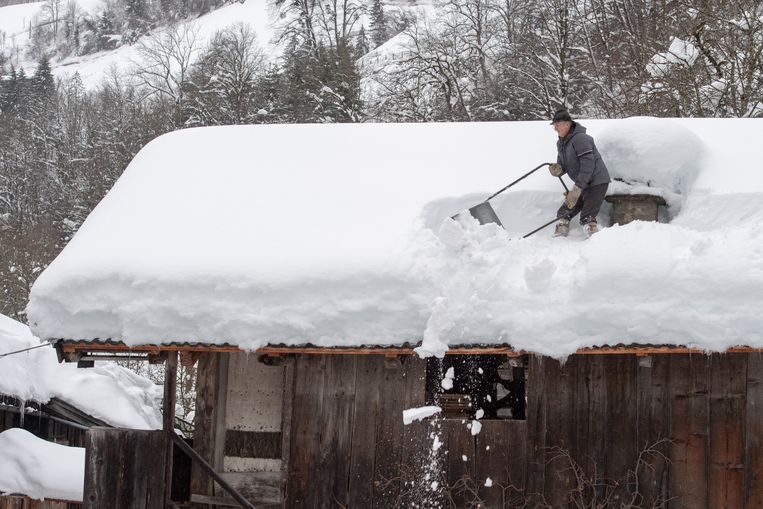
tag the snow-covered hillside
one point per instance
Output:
(15, 22)
(93, 67)
(240, 237)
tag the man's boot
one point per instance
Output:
(591, 228)
(562, 228)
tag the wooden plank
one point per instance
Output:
(622, 416)
(754, 433)
(689, 419)
(213, 501)
(205, 420)
(168, 415)
(536, 428)
(423, 467)
(492, 449)
(461, 471)
(124, 469)
(220, 411)
(262, 489)
(305, 432)
(336, 431)
(389, 435)
(21, 502)
(286, 422)
(728, 385)
(516, 438)
(501, 455)
(420, 465)
(653, 431)
(253, 444)
(367, 387)
(148, 457)
(559, 479)
(594, 455)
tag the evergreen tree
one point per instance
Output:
(43, 82)
(362, 44)
(379, 28)
(137, 19)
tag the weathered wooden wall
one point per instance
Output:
(38, 425)
(670, 431)
(239, 427)
(124, 469)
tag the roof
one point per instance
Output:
(106, 393)
(338, 236)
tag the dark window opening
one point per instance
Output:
(494, 384)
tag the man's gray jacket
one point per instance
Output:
(580, 159)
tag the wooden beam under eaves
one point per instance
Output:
(73, 350)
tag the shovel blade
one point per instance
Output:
(485, 214)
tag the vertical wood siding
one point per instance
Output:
(665, 431)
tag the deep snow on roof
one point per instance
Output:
(338, 235)
(108, 392)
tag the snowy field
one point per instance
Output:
(108, 392)
(245, 235)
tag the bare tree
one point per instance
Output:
(165, 64)
(222, 88)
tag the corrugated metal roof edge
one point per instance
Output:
(111, 345)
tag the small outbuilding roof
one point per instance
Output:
(339, 236)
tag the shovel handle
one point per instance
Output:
(541, 227)
(519, 179)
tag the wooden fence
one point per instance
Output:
(124, 469)
(18, 502)
(665, 431)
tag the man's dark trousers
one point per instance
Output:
(587, 206)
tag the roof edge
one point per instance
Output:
(73, 350)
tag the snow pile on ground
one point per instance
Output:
(231, 235)
(108, 392)
(40, 469)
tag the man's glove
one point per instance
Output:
(572, 197)
(556, 169)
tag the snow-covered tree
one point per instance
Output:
(222, 88)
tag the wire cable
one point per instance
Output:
(24, 350)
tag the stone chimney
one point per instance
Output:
(632, 207)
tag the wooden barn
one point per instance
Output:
(320, 297)
(615, 427)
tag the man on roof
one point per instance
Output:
(578, 158)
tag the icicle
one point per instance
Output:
(22, 409)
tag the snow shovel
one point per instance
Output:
(484, 212)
